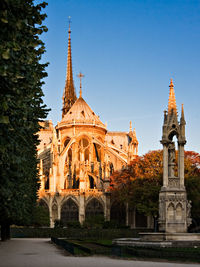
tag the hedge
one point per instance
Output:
(30, 232)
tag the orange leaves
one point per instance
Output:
(148, 165)
(192, 164)
(143, 177)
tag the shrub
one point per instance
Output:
(94, 222)
(58, 223)
(74, 224)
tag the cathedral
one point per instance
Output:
(77, 157)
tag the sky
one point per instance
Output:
(128, 51)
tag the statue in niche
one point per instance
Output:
(171, 159)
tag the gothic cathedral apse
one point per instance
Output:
(77, 157)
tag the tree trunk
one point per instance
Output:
(5, 231)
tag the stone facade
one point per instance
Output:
(77, 157)
(174, 209)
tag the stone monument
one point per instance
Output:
(174, 208)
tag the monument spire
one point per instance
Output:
(182, 115)
(172, 100)
(69, 95)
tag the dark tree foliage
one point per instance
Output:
(21, 108)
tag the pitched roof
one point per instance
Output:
(81, 113)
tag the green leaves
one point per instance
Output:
(21, 107)
(4, 119)
(6, 54)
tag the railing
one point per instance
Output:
(70, 190)
(94, 190)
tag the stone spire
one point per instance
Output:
(69, 95)
(172, 100)
(134, 135)
(130, 127)
(182, 121)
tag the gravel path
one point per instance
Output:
(29, 252)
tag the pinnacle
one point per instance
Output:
(172, 100)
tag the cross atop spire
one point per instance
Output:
(69, 20)
(172, 100)
(69, 95)
(80, 76)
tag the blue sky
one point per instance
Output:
(128, 51)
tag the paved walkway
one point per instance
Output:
(40, 252)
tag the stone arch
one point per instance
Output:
(65, 152)
(172, 133)
(94, 207)
(69, 211)
(179, 213)
(66, 198)
(118, 213)
(43, 203)
(170, 212)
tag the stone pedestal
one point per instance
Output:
(173, 210)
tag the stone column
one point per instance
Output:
(50, 216)
(59, 211)
(181, 164)
(165, 165)
(82, 208)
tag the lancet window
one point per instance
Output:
(83, 150)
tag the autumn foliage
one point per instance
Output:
(139, 184)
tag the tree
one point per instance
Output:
(139, 184)
(192, 182)
(21, 75)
